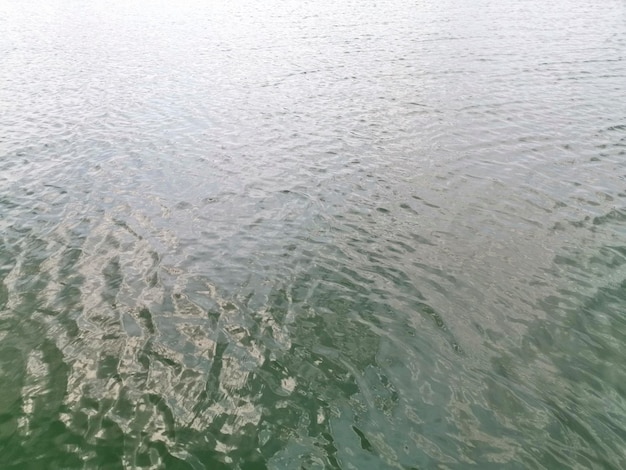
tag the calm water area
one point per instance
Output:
(313, 234)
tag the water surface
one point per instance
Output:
(313, 234)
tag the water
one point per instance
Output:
(313, 234)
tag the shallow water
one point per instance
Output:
(313, 234)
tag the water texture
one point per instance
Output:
(313, 234)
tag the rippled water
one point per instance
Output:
(313, 234)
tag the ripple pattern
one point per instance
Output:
(354, 235)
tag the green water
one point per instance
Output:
(312, 235)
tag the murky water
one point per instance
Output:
(313, 234)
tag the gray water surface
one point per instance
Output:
(313, 234)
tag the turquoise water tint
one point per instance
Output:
(313, 234)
